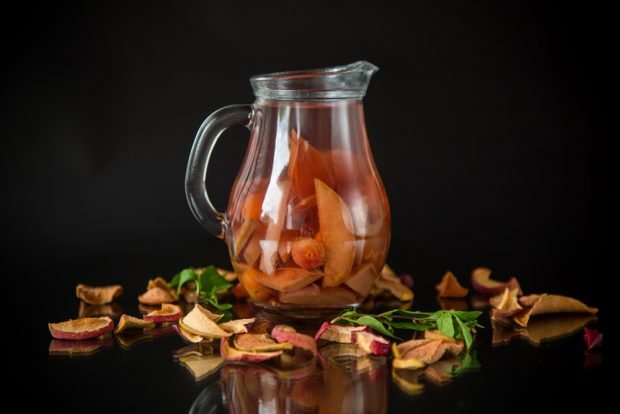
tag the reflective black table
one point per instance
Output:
(142, 376)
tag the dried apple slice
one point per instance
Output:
(127, 322)
(202, 366)
(288, 279)
(167, 313)
(231, 354)
(285, 333)
(371, 343)
(388, 281)
(259, 343)
(305, 164)
(545, 303)
(362, 279)
(449, 287)
(158, 282)
(338, 296)
(409, 363)
(338, 333)
(199, 322)
(187, 336)
(430, 352)
(256, 291)
(237, 326)
(84, 328)
(98, 295)
(275, 209)
(337, 234)
(156, 296)
(506, 304)
(242, 236)
(482, 283)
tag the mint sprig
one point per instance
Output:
(208, 284)
(453, 324)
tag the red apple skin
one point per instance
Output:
(283, 333)
(78, 336)
(482, 283)
(163, 318)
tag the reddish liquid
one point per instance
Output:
(309, 219)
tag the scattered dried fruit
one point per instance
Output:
(389, 282)
(545, 303)
(371, 343)
(187, 336)
(506, 304)
(200, 322)
(449, 287)
(338, 333)
(259, 343)
(237, 326)
(482, 283)
(84, 328)
(167, 313)
(285, 333)
(231, 354)
(157, 296)
(127, 322)
(98, 295)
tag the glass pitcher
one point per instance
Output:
(308, 221)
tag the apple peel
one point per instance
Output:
(338, 333)
(285, 333)
(98, 295)
(482, 283)
(539, 304)
(83, 328)
(167, 313)
(506, 304)
(231, 354)
(128, 322)
(156, 296)
(199, 322)
(449, 287)
(259, 343)
(371, 343)
(237, 326)
(187, 336)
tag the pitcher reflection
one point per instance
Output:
(335, 385)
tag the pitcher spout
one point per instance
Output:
(337, 82)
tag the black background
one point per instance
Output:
(488, 122)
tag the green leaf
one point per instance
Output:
(174, 282)
(406, 313)
(465, 333)
(467, 316)
(410, 325)
(185, 276)
(445, 324)
(212, 282)
(372, 322)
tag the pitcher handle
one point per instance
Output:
(196, 174)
